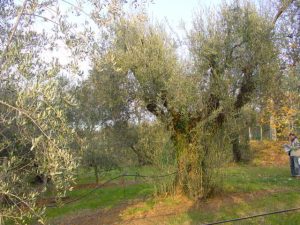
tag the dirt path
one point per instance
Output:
(98, 217)
(114, 216)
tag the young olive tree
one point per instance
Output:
(35, 135)
(102, 116)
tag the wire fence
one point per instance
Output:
(253, 216)
(107, 182)
(265, 132)
(169, 214)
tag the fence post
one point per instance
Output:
(2, 177)
(273, 134)
(123, 185)
(261, 132)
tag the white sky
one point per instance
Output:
(175, 14)
(172, 13)
(175, 11)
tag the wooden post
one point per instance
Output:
(123, 185)
(250, 134)
(273, 135)
(5, 165)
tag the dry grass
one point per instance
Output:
(269, 153)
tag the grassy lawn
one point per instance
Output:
(255, 190)
(246, 178)
(106, 197)
(248, 190)
(246, 208)
(87, 175)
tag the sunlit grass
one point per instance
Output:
(272, 187)
(260, 189)
(101, 198)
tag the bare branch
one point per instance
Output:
(43, 17)
(281, 10)
(76, 7)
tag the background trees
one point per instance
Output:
(286, 101)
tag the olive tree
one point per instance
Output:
(36, 134)
(233, 60)
(239, 49)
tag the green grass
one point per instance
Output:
(101, 198)
(269, 203)
(277, 191)
(270, 188)
(247, 179)
(105, 197)
(148, 205)
(87, 175)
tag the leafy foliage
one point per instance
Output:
(36, 136)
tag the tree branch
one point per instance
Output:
(281, 11)
(31, 119)
(247, 87)
(43, 17)
(76, 7)
(2, 60)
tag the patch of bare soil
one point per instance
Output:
(160, 212)
(92, 217)
(215, 203)
(96, 217)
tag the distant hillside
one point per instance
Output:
(268, 153)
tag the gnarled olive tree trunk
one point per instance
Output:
(196, 166)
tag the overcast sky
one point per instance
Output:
(175, 11)
(172, 13)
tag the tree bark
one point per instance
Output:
(193, 170)
(142, 158)
(45, 180)
(243, 97)
(237, 155)
(96, 174)
(281, 10)
(188, 176)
